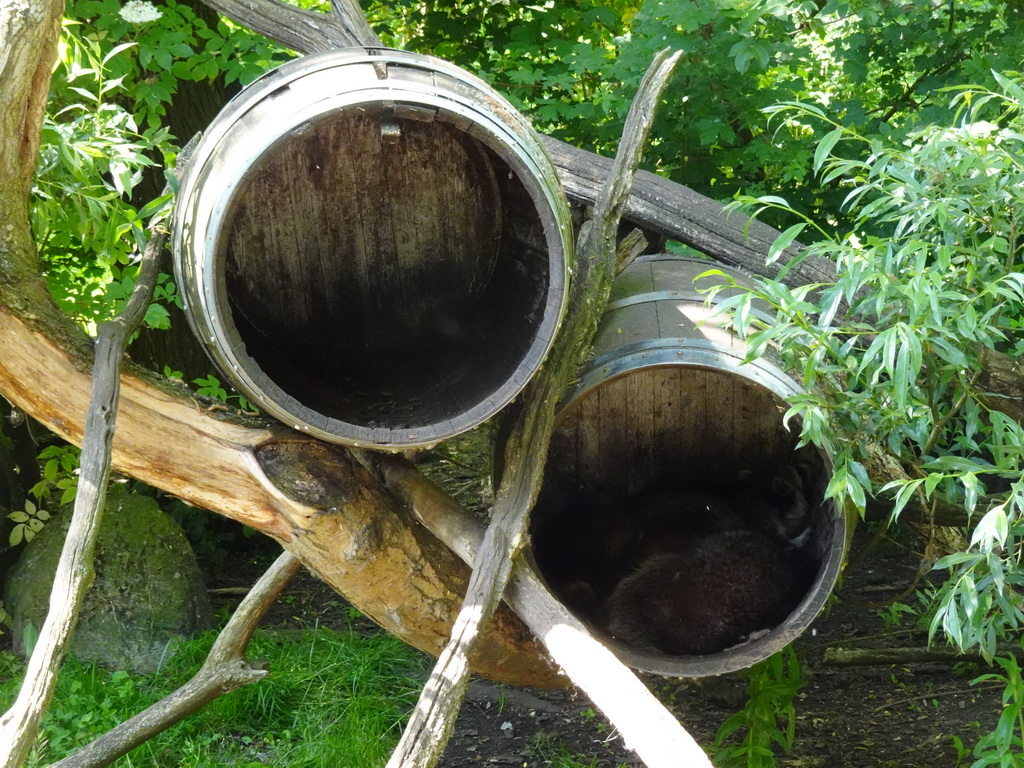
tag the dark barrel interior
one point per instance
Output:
(390, 268)
(379, 285)
(673, 452)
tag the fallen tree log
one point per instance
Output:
(308, 495)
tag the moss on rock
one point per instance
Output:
(148, 590)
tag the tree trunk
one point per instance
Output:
(310, 496)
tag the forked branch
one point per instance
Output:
(226, 669)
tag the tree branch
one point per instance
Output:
(655, 203)
(20, 724)
(298, 29)
(526, 452)
(225, 670)
(644, 723)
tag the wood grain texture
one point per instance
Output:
(661, 205)
(661, 404)
(374, 247)
(342, 242)
(302, 30)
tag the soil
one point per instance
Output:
(902, 715)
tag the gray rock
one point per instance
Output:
(148, 592)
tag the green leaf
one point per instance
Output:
(784, 241)
(957, 558)
(116, 50)
(825, 147)
(907, 489)
(993, 528)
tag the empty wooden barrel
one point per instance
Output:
(674, 489)
(373, 247)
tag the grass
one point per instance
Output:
(552, 752)
(332, 698)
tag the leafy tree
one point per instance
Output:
(929, 294)
(878, 65)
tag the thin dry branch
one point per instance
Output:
(526, 450)
(864, 657)
(20, 724)
(301, 30)
(225, 670)
(643, 722)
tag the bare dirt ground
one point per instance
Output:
(901, 715)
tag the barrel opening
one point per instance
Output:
(393, 281)
(677, 517)
(684, 542)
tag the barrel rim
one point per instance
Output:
(746, 654)
(668, 352)
(198, 233)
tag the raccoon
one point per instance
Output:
(774, 502)
(715, 592)
(606, 542)
(708, 571)
(665, 522)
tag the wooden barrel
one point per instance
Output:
(668, 410)
(373, 247)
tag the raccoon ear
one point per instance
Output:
(785, 487)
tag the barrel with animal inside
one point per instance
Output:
(373, 246)
(678, 518)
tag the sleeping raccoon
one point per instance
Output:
(713, 593)
(607, 542)
(775, 502)
(665, 521)
(708, 572)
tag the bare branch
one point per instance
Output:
(526, 451)
(20, 724)
(646, 726)
(298, 29)
(225, 670)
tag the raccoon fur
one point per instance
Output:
(711, 594)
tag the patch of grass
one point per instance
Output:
(548, 749)
(331, 699)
